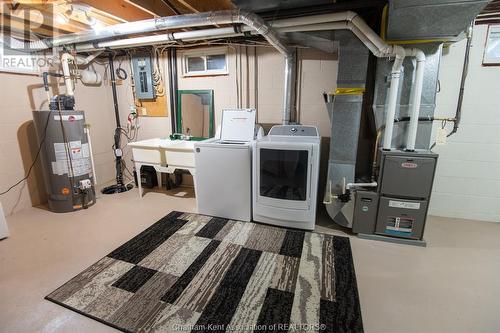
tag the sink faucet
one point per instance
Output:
(180, 136)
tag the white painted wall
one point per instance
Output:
(467, 183)
(20, 94)
(318, 74)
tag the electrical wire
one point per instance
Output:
(157, 73)
(37, 156)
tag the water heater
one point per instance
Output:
(66, 159)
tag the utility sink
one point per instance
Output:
(176, 154)
(177, 145)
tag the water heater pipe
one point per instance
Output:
(87, 132)
(66, 58)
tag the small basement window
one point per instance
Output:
(492, 50)
(211, 61)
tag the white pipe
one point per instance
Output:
(65, 59)
(87, 131)
(313, 19)
(137, 41)
(161, 39)
(379, 48)
(355, 185)
(197, 34)
(392, 99)
(232, 17)
(344, 20)
(314, 27)
(85, 61)
(416, 97)
(374, 38)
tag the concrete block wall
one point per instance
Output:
(20, 95)
(467, 183)
(318, 74)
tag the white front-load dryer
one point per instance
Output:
(285, 176)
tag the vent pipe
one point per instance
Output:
(416, 97)
(254, 24)
(250, 20)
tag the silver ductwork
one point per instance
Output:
(253, 23)
(16, 44)
(250, 20)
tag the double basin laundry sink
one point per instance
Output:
(175, 154)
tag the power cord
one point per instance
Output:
(34, 160)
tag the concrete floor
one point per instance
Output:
(453, 285)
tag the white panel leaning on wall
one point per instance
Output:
(4, 230)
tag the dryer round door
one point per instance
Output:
(283, 174)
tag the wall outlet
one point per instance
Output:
(143, 111)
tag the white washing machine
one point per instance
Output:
(223, 181)
(285, 176)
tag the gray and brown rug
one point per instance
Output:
(191, 272)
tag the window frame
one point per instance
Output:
(490, 61)
(203, 53)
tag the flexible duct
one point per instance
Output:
(16, 44)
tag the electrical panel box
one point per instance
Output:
(401, 218)
(365, 212)
(405, 174)
(143, 77)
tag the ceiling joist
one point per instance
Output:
(154, 7)
(119, 8)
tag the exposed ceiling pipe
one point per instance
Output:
(85, 61)
(334, 21)
(353, 22)
(254, 22)
(66, 58)
(344, 20)
(392, 99)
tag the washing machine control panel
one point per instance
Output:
(294, 130)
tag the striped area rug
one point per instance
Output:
(191, 272)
